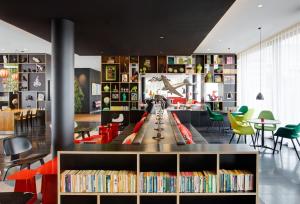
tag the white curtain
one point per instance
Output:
(280, 76)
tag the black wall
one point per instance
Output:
(86, 77)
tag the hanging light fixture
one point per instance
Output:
(229, 94)
(4, 73)
(259, 95)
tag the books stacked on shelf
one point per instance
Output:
(236, 181)
(198, 182)
(158, 182)
(103, 181)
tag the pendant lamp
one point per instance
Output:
(259, 95)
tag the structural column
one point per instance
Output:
(62, 102)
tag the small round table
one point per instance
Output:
(263, 123)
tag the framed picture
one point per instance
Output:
(111, 73)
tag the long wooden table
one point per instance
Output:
(147, 132)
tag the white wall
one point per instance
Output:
(14, 40)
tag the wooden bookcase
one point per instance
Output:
(163, 158)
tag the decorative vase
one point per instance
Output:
(124, 97)
(106, 88)
(199, 68)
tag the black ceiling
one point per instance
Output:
(122, 27)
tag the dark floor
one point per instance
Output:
(279, 173)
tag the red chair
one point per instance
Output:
(25, 182)
(114, 129)
(49, 181)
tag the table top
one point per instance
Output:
(147, 131)
(265, 121)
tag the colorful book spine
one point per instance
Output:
(198, 182)
(236, 181)
(157, 182)
(103, 181)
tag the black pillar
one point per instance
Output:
(62, 38)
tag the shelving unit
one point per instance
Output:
(165, 158)
(27, 79)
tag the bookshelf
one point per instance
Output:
(163, 158)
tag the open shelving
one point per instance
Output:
(27, 79)
(161, 159)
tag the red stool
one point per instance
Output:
(25, 182)
(49, 181)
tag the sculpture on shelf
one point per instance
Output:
(124, 97)
(208, 77)
(106, 88)
(106, 101)
(134, 89)
(199, 68)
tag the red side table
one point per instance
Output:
(49, 181)
(25, 182)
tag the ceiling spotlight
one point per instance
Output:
(162, 37)
(259, 5)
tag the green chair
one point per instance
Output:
(247, 116)
(242, 110)
(289, 132)
(241, 129)
(268, 115)
(215, 118)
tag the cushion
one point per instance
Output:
(129, 139)
(138, 126)
(176, 118)
(145, 114)
(186, 133)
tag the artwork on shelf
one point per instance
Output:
(106, 101)
(124, 77)
(134, 88)
(115, 96)
(134, 96)
(106, 88)
(124, 97)
(36, 82)
(218, 79)
(111, 72)
(96, 89)
(208, 77)
(134, 59)
(171, 60)
(229, 79)
(41, 97)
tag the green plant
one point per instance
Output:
(79, 96)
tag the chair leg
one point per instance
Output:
(275, 144)
(281, 143)
(42, 161)
(233, 134)
(238, 139)
(298, 141)
(253, 141)
(6, 172)
(295, 149)
(245, 137)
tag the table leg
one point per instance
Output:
(263, 135)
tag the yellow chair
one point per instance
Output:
(247, 116)
(240, 129)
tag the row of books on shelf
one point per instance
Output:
(103, 181)
(158, 182)
(236, 181)
(112, 181)
(198, 182)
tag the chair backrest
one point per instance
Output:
(266, 114)
(243, 109)
(248, 115)
(16, 145)
(33, 111)
(232, 121)
(209, 110)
